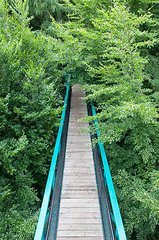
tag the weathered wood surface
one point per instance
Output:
(79, 216)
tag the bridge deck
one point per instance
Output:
(79, 216)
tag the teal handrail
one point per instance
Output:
(120, 231)
(40, 232)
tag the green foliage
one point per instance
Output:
(31, 97)
(112, 49)
(113, 46)
(139, 203)
(43, 10)
(153, 76)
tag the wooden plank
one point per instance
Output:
(80, 126)
(80, 181)
(77, 188)
(77, 192)
(71, 196)
(77, 202)
(89, 193)
(78, 210)
(79, 185)
(77, 163)
(79, 221)
(81, 171)
(85, 149)
(78, 117)
(80, 215)
(81, 155)
(76, 173)
(80, 142)
(85, 179)
(80, 206)
(79, 233)
(78, 160)
(78, 138)
(81, 238)
(80, 227)
(79, 175)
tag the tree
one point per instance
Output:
(109, 46)
(31, 96)
(43, 10)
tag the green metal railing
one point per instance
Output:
(120, 232)
(40, 230)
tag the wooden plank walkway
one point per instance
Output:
(79, 216)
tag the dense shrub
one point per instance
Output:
(31, 96)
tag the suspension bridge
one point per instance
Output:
(79, 200)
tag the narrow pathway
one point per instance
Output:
(79, 216)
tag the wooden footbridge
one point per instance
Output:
(79, 200)
(79, 208)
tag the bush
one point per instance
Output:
(31, 97)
